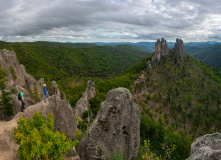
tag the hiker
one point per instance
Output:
(3, 116)
(22, 100)
(45, 92)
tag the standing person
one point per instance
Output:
(3, 118)
(45, 93)
(22, 101)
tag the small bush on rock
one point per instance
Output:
(37, 139)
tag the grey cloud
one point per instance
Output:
(104, 19)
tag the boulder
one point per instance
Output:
(83, 102)
(161, 49)
(64, 122)
(116, 128)
(207, 147)
(179, 48)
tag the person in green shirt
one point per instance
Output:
(22, 101)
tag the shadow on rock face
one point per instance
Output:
(116, 128)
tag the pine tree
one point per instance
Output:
(5, 106)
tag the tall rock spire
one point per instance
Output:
(161, 49)
(179, 48)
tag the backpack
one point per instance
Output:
(19, 96)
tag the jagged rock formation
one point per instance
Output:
(207, 147)
(83, 102)
(56, 89)
(18, 78)
(149, 66)
(161, 49)
(116, 128)
(64, 122)
(8, 59)
(179, 48)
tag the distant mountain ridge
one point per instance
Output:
(55, 60)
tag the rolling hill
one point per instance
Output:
(210, 55)
(54, 60)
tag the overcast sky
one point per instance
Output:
(110, 20)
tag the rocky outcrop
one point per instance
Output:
(64, 122)
(33, 85)
(207, 147)
(83, 102)
(179, 48)
(149, 66)
(8, 59)
(18, 78)
(56, 89)
(63, 96)
(161, 49)
(116, 128)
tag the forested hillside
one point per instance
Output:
(210, 55)
(58, 60)
(179, 100)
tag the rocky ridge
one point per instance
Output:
(162, 49)
(64, 122)
(18, 78)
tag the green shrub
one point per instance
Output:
(36, 138)
(78, 138)
(95, 104)
(13, 72)
(165, 115)
(85, 115)
(148, 155)
(83, 126)
(159, 135)
(117, 156)
(5, 97)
